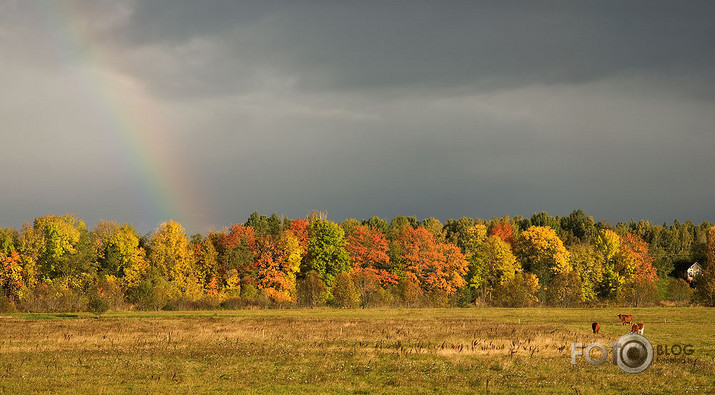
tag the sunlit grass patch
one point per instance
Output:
(332, 350)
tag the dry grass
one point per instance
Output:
(324, 350)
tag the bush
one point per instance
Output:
(520, 291)
(248, 292)
(566, 290)
(55, 297)
(438, 298)
(6, 305)
(311, 290)
(410, 292)
(642, 292)
(345, 294)
(233, 304)
(679, 291)
(151, 294)
(705, 285)
(97, 304)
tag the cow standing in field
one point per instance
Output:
(638, 328)
(626, 319)
(595, 327)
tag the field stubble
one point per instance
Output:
(325, 350)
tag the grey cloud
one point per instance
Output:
(388, 46)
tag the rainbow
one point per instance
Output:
(132, 121)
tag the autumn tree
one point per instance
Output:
(326, 250)
(368, 252)
(349, 224)
(207, 264)
(236, 257)
(503, 230)
(434, 226)
(277, 262)
(566, 290)
(491, 264)
(520, 291)
(11, 274)
(118, 250)
(542, 253)
(311, 290)
(456, 231)
(398, 224)
(367, 283)
(432, 265)
(301, 230)
(587, 262)
(172, 258)
(63, 248)
(705, 282)
(377, 223)
(636, 248)
(608, 244)
(629, 267)
(345, 294)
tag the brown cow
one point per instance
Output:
(638, 328)
(595, 327)
(625, 319)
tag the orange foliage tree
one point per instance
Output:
(277, 261)
(11, 274)
(368, 253)
(638, 249)
(504, 231)
(431, 264)
(301, 230)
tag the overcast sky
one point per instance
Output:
(204, 111)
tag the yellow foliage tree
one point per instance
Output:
(171, 256)
(541, 252)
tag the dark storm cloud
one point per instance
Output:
(362, 108)
(429, 45)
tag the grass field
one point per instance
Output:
(337, 351)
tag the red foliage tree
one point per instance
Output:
(301, 230)
(237, 253)
(504, 231)
(368, 252)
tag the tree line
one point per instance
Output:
(58, 264)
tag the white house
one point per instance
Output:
(693, 271)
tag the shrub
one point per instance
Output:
(6, 305)
(520, 291)
(679, 291)
(249, 292)
(151, 294)
(410, 292)
(97, 304)
(566, 290)
(311, 290)
(56, 296)
(345, 294)
(640, 292)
